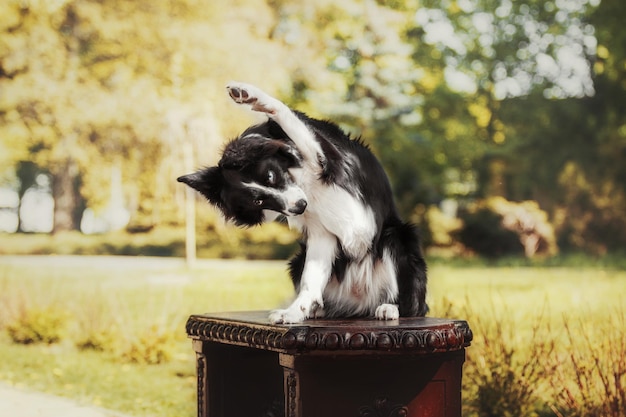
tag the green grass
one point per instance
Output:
(509, 308)
(132, 299)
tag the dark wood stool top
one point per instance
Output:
(407, 335)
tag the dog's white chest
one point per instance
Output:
(332, 210)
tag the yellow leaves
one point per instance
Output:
(429, 82)
(602, 52)
(47, 6)
(13, 51)
(499, 137)
(13, 142)
(598, 67)
(442, 226)
(10, 15)
(481, 113)
(484, 117)
(434, 113)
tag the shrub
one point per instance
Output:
(504, 378)
(496, 227)
(437, 228)
(97, 323)
(590, 216)
(483, 233)
(151, 347)
(101, 340)
(592, 377)
(46, 325)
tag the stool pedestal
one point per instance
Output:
(325, 368)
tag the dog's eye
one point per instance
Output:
(258, 202)
(271, 177)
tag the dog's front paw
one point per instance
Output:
(305, 306)
(242, 93)
(286, 316)
(387, 312)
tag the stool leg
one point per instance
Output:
(291, 380)
(201, 372)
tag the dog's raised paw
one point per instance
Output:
(387, 312)
(239, 93)
(248, 94)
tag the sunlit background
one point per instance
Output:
(501, 124)
(462, 100)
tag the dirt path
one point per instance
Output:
(17, 402)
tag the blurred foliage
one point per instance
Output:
(438, 229)
(461, 99)
(151, 347)
(496, 227)
(596, 384)
(504, 380)
(484, 234)
(38, 325)
(273, 241)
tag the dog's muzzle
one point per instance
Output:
(298, 208)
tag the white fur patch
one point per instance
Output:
(289, 196)
(365, 286)
(334, 210)
(387, 312)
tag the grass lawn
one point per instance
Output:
(130, 308)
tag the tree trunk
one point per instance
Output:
(68, 204)
(26, 172)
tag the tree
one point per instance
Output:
(490, 51)
(367, 83)
(89, 87)
(40, 98)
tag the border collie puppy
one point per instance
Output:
(357, 258)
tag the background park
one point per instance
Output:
(502, 126)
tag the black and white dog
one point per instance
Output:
(358, 258)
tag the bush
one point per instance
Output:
(100, 340)
(590, 216)
(501, 378)
(483, 233)
(270, 241)
(593, 381)
(152, 347)
(437, 228)
(38, 326)
(496, 227)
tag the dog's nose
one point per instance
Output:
(299, 207)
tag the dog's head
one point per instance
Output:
(252, 176)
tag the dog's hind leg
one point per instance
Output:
(293, 126)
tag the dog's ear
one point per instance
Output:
(209, 182)
(289, 151)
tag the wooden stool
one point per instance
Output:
(326, 368)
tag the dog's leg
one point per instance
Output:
(295, 128)
(321, 251)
